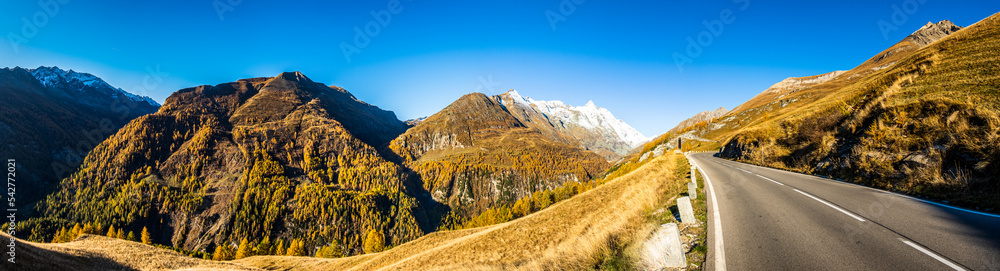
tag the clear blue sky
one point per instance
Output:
(618, 54)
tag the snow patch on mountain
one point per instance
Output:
(54, 77)
(588, 116)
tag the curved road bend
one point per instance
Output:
(779, 220)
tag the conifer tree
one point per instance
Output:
(146, 239)
(264, 247)
(87, 229)
(218, 254)
(111, 231)
(279, 248)
(76, 232)
(296, 248)
(331, 250)
(374, 242)
(244, 250)
(60, 236)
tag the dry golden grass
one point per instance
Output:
(92, 252)
(572, 234)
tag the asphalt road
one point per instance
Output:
(779, 220)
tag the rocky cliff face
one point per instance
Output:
(793, 84)
(932, 32)
(704, 116)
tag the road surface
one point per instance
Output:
(779, 220)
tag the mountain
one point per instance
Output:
(932, 32)
(779, 92)
(86, 85)
(51, 118)
(919, 118)
(705, 116)
(595, 128)
(475, 154)
(279, 159)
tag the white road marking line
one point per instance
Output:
(769, 179)
(932, 254)
(831, 205)
(940, 204)
(720, 251)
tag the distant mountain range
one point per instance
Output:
(83, 83)
(51, 119)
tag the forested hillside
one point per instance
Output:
(263, 161)
(474, 155)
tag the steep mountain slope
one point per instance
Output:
(570, 235)
(475, 154)
(50, 118)
(821, 85)
(281, 158)
(594, 128)
(916, 119)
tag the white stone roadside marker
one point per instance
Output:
(693, 179)
(693, 191)
(687, 213)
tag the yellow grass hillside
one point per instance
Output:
(572, 234)
(927, 123)
(92, 252)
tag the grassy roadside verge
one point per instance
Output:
(624, 253)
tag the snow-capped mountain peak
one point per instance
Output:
(54, 77)
(588, 116)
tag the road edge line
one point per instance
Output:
(932, 254)
(720, 251)
(831, 205)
